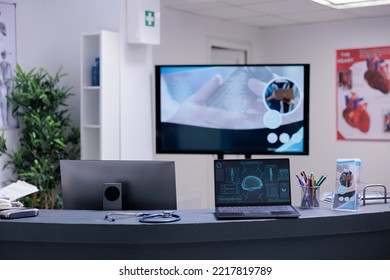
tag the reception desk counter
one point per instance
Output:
(318, 234)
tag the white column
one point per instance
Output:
(136, 69)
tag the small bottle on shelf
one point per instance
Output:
(96, 72)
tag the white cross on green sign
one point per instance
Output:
(149, 18)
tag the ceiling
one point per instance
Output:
(267, 13)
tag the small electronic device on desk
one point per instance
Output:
(15, 209)
(18, 212)
(10, 207)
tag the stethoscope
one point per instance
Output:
(164, 217)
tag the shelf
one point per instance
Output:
(91, 109)
(92, 88)
(95, 126)
(90, 50)
(91, 147)
(99, 111)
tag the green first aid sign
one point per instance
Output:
(149, 18)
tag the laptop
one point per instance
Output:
(253, 188)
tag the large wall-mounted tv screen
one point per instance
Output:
(232, 109)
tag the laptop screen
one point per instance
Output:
(251, 182)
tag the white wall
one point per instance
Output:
(49, 31)
(184, 39)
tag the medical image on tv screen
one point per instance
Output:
(232, 108)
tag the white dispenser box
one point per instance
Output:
(143, 21)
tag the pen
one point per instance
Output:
(323, 179)
(299, 180)
(304, 179)
(304, 175)
(319, 180)
(312, 179)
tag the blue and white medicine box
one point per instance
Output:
(346, 190)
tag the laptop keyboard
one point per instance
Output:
(254, 209)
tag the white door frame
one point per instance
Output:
(230, 45)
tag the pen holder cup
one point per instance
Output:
(310, 197)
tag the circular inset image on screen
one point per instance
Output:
(296, 138)
(282, 95)
(272, 138)
(272, 119)
(284, 138)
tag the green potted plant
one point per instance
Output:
(45, 136)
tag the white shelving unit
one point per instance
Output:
(100, 105)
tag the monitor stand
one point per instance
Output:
(221, 156)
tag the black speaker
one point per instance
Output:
(112, 196)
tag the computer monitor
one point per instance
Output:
(144, 185)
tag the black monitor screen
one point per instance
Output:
(232, 109)
(145, 185)
(252, 182)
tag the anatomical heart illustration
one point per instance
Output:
(377, 74)
(363, 99)
(355, 113)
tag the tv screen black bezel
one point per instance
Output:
(221, 152)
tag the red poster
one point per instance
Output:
(363, 94)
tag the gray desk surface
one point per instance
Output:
(196, 228)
